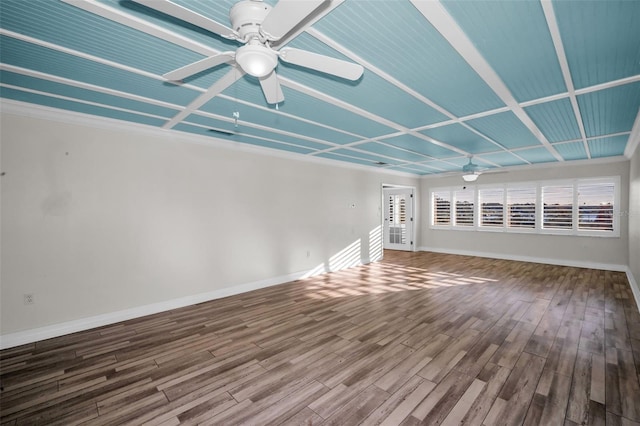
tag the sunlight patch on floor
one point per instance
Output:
(383, 278)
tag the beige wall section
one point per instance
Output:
(634, 219)
(96, 221)
(560, 248)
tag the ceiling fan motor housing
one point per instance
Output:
(247, 16)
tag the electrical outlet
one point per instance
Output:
(29, 299)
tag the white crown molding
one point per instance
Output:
(24, 109)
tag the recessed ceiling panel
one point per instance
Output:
(506, 129)
(243, 138)
(611, 110)
(461, 137)
(400, 41)
(608, 147)
(601, 39)
(556, 120)
(421, 146)
(84, 108)
(390, 151)
(499, 29)
(503, 159)
(537, 155)
(571, 150)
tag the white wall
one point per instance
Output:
(96, 220)
(634, 221)
(559, 249)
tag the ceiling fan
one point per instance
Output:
(470, 171)
(261, 30)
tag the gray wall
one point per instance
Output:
(97, 220)
(560, 249)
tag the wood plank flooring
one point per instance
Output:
(417, 338)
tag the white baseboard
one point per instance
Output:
(561, 262)
(548, 261)
(41, 333)
(634, 287)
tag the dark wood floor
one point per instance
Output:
(418, 338)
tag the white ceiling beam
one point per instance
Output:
(223, 82)
(87, 86)
(554, 30)
(81, 101)
(634, 138)
(438, 16)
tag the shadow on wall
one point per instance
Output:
(352, 255)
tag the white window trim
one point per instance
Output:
(615, 233)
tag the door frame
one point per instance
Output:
(414, 207)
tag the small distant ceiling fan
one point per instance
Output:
(260, 28)
(470, 171)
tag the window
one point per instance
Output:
(492, 207)
(464, 207)
(557, 204)
(595, 206)
(521, 207)
(442, 208)
(568, 207)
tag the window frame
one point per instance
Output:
(539, 228)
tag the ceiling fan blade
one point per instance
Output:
(186, 15)
(318, 14)
(201, 65)
(286, 15)
(326, 64)
(271, 88)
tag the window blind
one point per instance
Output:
(557, 202)
(595, 206)
(521, 207)
(492, 207)
(464, 207)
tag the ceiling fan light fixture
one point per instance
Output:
(470, 177)
(256, 59)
